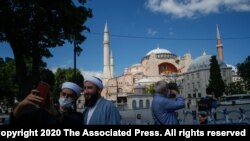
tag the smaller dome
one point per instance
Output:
(203, 62)
(139, 86)
(136, 65)
(145, 80)
(233, 68)
(158, 51)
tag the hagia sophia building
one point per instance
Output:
(191, 75)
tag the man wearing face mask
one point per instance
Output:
(98, 111)
(67, 110)
(27, 112)
(164, 104)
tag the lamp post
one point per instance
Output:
(77, 51)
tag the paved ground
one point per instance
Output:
(144, 116)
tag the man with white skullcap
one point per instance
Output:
(67, 102)
(49, 115)
(98, 111)
(69, 92)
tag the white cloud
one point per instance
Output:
(85, 73)
(54, 69)
(194, 8)
(91, 73)
(152, 32)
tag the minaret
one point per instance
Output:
(219, 44)
(111, 65)
(106, 46)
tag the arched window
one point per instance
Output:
(120, 90)
(134, 104)
(141, 104)
(167, 68)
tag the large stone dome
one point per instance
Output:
(203, 62)
(159, 51)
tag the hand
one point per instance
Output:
(173, 92)
(31, 99)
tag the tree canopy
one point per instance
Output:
(244, 72)
(235, 88)
(31, 27)
(216, 84)
(8, 84)
(63, 75)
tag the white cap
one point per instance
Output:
(94, 80)
(74, 87)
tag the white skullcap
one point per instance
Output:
(74, 87)
(95, 80)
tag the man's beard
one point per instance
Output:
(92, 100)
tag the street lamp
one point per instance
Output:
(77, 51)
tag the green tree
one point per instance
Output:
(63, 75)
(235, 88)
(31, 27)
(150, 89)
(216, 84)
(244, 72)
(8, 83)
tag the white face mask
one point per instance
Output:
(66, 102)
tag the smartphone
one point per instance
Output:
(43, 89)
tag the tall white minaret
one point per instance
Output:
(111, 65)
(106, 57)
(219, 45)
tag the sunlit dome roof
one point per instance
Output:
(139, 86)
(233, 67)
(159, 51)
(203, 62)
(145, 80)
(135, 65)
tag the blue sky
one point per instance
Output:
(138, 26)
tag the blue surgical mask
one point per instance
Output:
(66, 102)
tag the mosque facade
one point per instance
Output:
(192, 76)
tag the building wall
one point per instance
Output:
(151, 64)
(196, 82)
(139, 101)
(149, 68)
(186, 61)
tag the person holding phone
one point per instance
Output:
(38, 109)
(32, 110)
